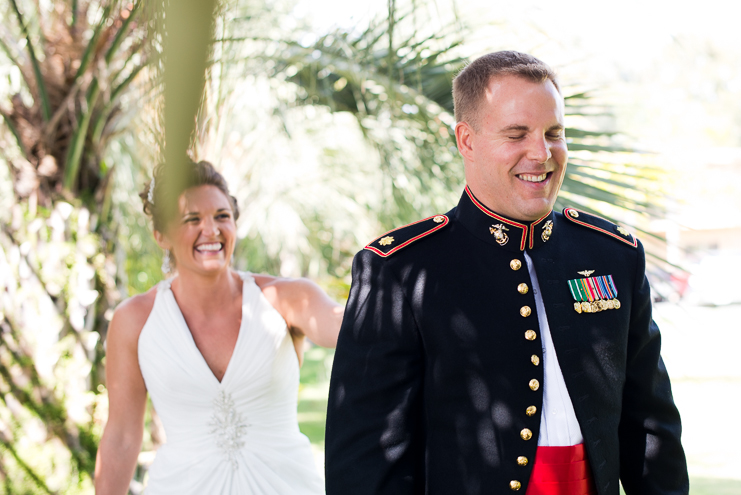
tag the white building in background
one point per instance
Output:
(703, 233)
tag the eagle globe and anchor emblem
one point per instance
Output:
(498, 232)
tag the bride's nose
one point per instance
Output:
(210, 228)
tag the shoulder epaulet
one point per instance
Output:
(393, 240)
(600, 225)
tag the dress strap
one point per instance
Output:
(164, 285)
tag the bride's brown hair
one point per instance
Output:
(160, 196)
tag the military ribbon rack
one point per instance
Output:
(594, 294)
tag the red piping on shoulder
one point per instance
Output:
(409, 241)
(626, 241)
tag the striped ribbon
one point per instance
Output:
(593, 288)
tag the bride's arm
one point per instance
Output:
(313, 314)
(127, 396)
(307, 309)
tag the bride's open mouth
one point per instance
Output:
(211, 248)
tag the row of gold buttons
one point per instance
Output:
(534, 385)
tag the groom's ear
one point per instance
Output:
(464, 139)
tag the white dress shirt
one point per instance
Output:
(558, 424)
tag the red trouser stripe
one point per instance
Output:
(561, 471)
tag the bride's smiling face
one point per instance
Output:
(202, 237)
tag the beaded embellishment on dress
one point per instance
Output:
(228, 426)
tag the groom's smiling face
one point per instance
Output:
(514, 149)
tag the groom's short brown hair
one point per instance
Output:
(469, 86)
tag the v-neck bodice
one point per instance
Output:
(248, 285)
(239, 435)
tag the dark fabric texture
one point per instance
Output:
(430, 383)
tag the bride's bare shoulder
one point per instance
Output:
(270, 286)
(281, 287)
(131, 315)
(263, 281)
(288, 294)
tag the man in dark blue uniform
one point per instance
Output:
(503, 347)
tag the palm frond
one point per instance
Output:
(77, 72)
(74, 151)
(13, 129)
(40, 82)
(123, 31)
(92, 45)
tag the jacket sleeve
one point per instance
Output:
(374, 420)
(652, 460)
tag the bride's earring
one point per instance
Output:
(166, 262)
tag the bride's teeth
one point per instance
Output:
(209, 247)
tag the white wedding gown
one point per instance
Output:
(237, 436)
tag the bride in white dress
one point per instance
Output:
(219, 353)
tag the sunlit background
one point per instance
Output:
(325, 148)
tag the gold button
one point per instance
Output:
(534, 384)
(515, 485)
(522, 461)
(530, 411)
(530, 335)
(526, 434)
(522, 288)
(574, 213)
(525, 311)
(515, 264)
(535, 360)
(439, 219)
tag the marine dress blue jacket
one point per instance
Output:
(432, 386)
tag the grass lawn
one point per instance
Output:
(711, 486)
(312, 404)
(312, 409)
